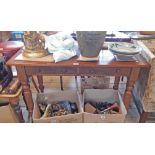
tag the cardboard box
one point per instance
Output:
(72, 96)
(7, 114)
(105, 95)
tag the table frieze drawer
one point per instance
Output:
(105, 71)
(51, 70)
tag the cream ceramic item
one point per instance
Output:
(124, 48)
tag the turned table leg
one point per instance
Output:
(26, 89)
(116, 82)
(40, 82)
(130, 84)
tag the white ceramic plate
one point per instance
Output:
(124, 48)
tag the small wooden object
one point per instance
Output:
(147, 32)
(89, 108)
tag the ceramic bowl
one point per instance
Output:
(124, 48)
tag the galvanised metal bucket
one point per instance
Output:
(90, 42)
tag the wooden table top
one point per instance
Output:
(106, 59)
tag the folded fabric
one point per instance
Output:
(60, 41)
(63, 55)
(62, 46)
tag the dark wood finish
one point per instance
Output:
(106, 60)
(61, 83)
(116, 83)
(35, 85)
(40, 81)
(26, 88)
(107, 65)
(130, 84)
(102, 71)
(143, 117)
(24, 100)
(42, 70)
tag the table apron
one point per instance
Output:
(50, 70)
(104, 71)
(79, 71)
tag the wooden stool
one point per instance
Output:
(14, 100)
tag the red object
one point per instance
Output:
(9, 48)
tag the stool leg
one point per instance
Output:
(143, 117)
(24, 101)
(116, 83)
(81, 86)
(76, 82)
(35, 85)
(40, 81)
(61, 83)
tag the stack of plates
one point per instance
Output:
(124, 51)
